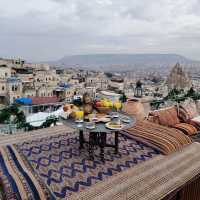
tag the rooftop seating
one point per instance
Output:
(188, 112)
(154, 162)
(169, 117)
(164, 139)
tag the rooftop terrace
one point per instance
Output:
(50, 165)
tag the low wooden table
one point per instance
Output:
(98, 139)
(98, 135)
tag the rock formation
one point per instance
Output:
(178, 79)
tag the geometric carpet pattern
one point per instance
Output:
(66, 170)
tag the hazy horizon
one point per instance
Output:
(50, 29)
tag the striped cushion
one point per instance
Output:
(195, 122)
(165, 139)
(186, 128)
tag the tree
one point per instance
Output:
(20, 119)
(155, 104)
(123, 98)
(6, 113)
(172, 95)
(191, 92)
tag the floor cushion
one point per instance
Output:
(166, 116)
(186, 128)
(188, 110)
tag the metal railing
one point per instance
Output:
(48, 107)
(13, 128)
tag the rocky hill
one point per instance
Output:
(122, 62)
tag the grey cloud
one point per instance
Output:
(49, 29)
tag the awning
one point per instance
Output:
(59, 89)
(23, 100)
(108, 93)
(65, 85)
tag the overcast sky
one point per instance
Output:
(40, 30)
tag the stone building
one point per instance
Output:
(5, 71)
(45, 82)
(19, 79)
(99, 81)
(14, 89)
(3, 93)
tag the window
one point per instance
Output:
(6, 74)
(13, 88)
(3, 88)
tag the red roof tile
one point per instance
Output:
(44, 100)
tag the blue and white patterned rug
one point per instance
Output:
(65, 170)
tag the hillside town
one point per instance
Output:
(43, 84)
(40, 90)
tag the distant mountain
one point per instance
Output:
(122, 62)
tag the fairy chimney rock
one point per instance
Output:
(178, 79)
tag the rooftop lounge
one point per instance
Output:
(106, 149)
